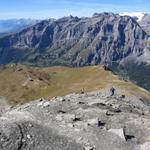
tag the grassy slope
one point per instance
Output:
(54, 81)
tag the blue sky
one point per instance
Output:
(43, 9)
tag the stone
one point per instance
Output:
(92, 122)
(145, 146)
(30, 125)
(29, 136)
(89, 148)
(46, 104)
(118, 132)
(109, 113)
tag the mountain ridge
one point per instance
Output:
(21, 83)
(76, 41)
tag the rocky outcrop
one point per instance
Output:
(145, 23)
(103, 38)
(90, 121)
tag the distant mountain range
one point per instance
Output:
(14, 25)
(104, 38)
(73, 41)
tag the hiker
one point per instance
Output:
(106, 67)
(82, 91)
(112, 91)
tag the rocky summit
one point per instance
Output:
(73, 41)
(86, 121)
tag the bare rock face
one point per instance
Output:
(103, 38)
(145, 23)
(92, 121)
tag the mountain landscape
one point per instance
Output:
(105, 38)
(73, 41)
(75, 83)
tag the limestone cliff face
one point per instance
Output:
(74, 41)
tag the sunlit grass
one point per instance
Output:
(57, 81)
